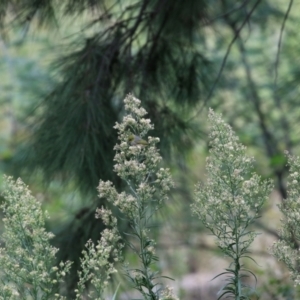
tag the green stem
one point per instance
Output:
(237, 281)
(144, 263)
(141, 224)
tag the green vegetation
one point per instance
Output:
(228, 204)
(65, 67)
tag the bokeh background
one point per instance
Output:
(66, 66)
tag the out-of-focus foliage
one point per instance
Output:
(168, 53)
(24, 79)
(146, 47)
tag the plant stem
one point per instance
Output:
(237, 264)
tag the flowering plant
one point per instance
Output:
(287, 248)
(98, 260)
(137, 163)
(27, 259)
(230, 201)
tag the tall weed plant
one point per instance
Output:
(228, 204)
(287, 249)
(137, 164)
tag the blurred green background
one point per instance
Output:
(66, 66)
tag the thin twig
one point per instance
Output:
(280, 41)
(227, 13)
(225, 59)
(284, 121)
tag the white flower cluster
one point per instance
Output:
(135, 120)
(287, 248)
(98, 260)
(232, 196)
(26, 258)
(137, 165)
(167, 294)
